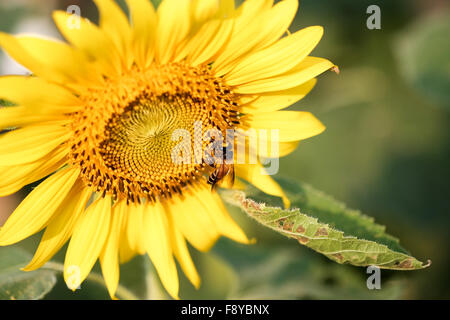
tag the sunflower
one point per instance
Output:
(96, 117)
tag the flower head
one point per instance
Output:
(102, 117)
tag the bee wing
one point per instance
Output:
(228, 179)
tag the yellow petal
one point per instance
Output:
(14, 178)
(91, 40)
(125, 251)
(280, 57)
(277, 100)
(226, 8)
(198, 42)
(38, 208)
(173, 27)
(261, 146)
(52, 60)
(183, 256)
(285, 148)
(255, 174)
(275, 149)
(194, 222)
(306, 70)
(115, 24)
(290, 125)
(219, 214)
(283, 14)
(37, 94)
(159, 249)
(30, 143)
(61, 59)
(250, 8)
(204, 10)
(239, 184)
(143, 17)
(61, 226)
(20, 116)
(205, 51)
(109, 257)
(87, 241)
(250, 34)
(12, 46)
(135, 229)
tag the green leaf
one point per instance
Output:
(326, 226)
(19, 285)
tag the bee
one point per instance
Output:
(222, 170)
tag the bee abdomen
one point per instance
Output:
(212, 179)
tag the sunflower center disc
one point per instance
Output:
(124, 138)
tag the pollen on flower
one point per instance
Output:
(122, 139)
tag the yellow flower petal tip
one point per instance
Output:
(94, 118)
(26, 269)
(197, 285)
(286, 202)
(71, 287)
(245, 241)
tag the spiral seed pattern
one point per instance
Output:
(123, 137)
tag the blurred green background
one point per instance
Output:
(386, 151)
